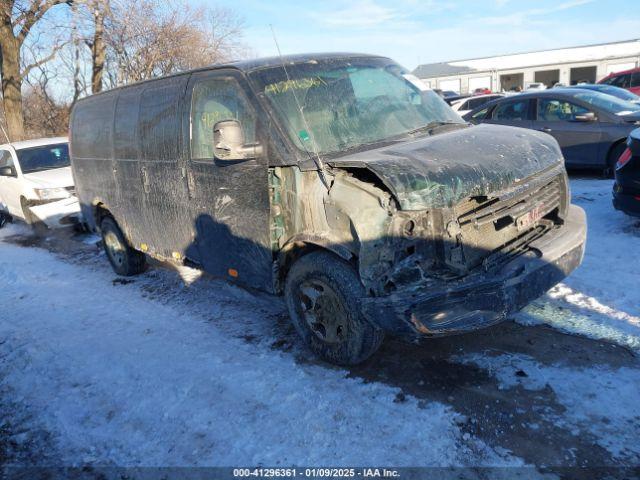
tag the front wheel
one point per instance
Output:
(323, 294)
(125, 260)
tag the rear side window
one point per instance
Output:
(159, 125)
(512, 111)
(91, 130)
(125, 135)
(214, 100)
(635, 79)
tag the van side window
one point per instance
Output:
(125, 138)
(159, 124)
(92, 122)
(6, 160)
(214, 100)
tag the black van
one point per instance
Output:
(338, 180)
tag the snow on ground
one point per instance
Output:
(601, 298)
(599, 400)
(155, 372)
(126, 380)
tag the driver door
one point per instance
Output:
(578, 140)
(229, 199)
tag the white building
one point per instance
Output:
(568, 66)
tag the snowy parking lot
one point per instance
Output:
(173, 369)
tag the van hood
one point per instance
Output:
(441, 170)
(54, 178)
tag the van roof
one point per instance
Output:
(36, 142)
(255, 64)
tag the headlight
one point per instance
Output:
(52, 193)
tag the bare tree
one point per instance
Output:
(100, 9)
(150, 38)
(17, 20)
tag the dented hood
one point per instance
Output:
(441, 170)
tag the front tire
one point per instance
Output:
(124, 260)
(323, 294)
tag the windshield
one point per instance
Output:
(43, 158)
(607, 103)
(350, 102)
(619, 92)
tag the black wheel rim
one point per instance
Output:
(323, 311)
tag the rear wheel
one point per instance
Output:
(323, 295)
(123, 259)
(614, 155)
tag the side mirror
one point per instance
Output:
(9, 171)
(585, 117)
(229, 144)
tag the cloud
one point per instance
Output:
(519, 18)
(361, 14)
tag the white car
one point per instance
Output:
(536, 86)
(465, 105)
(36, 183)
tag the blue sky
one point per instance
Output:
(414, 31)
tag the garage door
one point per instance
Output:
(449, 85)
(479, 82)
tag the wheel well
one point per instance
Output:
(101, 211)
(293, 251)
(614, 145)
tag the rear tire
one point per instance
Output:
(323, 294)
(124, 260)
(612, 159)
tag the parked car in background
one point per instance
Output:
(536, 86)
(628, 79)
(591, 127)
(455, 98)
(618, 92)
(626, 189)
(36, 184)
(342, 182)
(465, 105)
(482, 91)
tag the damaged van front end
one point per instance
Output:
(436, 226)
(476, 234)
(446, 238)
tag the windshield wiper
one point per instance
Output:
(431, 126)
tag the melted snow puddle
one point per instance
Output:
(598, 400)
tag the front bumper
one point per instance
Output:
(59, 213)
(483, 299)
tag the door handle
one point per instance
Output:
(545, 129)
(145, 180)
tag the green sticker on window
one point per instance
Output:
(304, 136)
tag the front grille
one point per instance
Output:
(489, 234)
